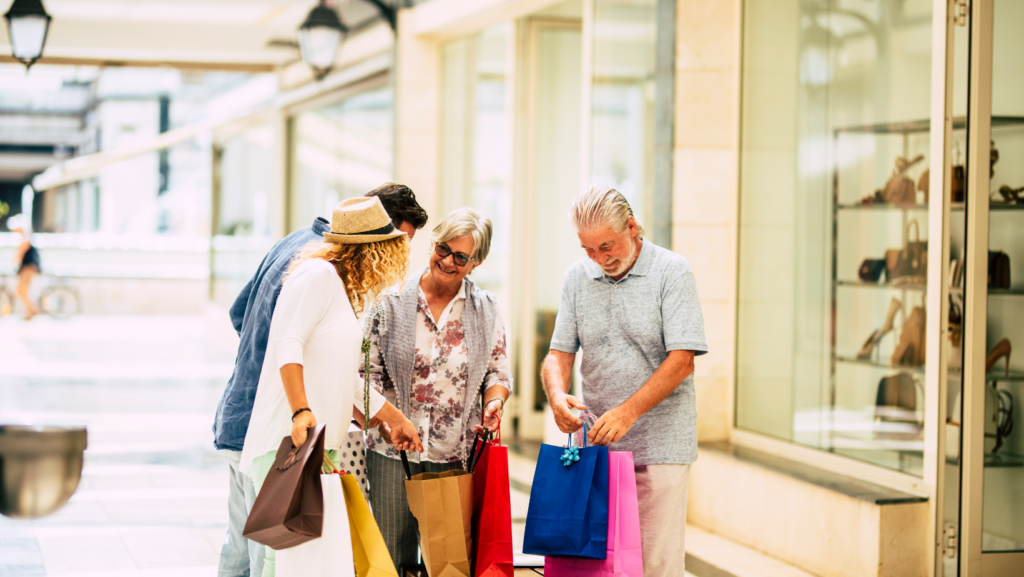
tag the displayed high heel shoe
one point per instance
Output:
(1002, 349)
(869, 345)
(1011, 195)
(910, 349)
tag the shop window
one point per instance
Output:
(476, 143)
(835, 113)
(339, 151)
(623, 100)
(244, 164)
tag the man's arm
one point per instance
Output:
(614, 424)
(556, 374)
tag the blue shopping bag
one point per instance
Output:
(568, 514)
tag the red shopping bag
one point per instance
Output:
(492, 512)
(625, 557)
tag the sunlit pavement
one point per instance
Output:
(152, 500)
(153, 496)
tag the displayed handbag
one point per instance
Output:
(908, 265)
(442, 504)
(331, 554)
(958, 183)
(910, 348)
(896, 402)
(625, 556)
(568, 512)
(492, 511)
(900, 189)
(871, 270)
(369, 551)
(998, 422)
(289, 508)
(998, 270)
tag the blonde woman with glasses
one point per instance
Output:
(309, 372)
(443, 361)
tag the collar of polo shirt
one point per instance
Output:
(640, 268)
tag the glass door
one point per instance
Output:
(992, 452)
(551, 150)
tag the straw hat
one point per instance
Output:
(361, 220)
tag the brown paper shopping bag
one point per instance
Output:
(289, 509)
(371, 553)
(443, 506)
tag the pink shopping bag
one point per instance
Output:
(625, 557)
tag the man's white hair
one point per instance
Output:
(463, 221)
(599, 206)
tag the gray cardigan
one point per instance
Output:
(396, 316)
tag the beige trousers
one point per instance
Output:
(661, 492)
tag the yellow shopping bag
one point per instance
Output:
(368, 548)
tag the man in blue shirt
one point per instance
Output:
(251, 314)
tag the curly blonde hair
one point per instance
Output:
(365, 269)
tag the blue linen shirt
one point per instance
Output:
(251, 314)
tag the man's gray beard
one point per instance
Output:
(623, 265)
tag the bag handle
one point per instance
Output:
(906, 233)
(581, 434)
(405, 465)
(478, 448)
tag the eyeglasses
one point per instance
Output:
(460, 258)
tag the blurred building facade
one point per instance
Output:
(750, 136)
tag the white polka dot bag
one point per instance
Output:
(353, 457)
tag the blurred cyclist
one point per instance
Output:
(27, 258)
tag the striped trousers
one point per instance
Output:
(391, 506)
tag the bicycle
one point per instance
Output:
(60, 299)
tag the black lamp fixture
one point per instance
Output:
(320, 36)
(27, 25)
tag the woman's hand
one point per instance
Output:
(404, 436)
(492, 416)
(303, 421)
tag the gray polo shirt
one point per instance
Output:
(626, 329)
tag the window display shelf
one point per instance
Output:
(923, 125)
(875, 285)
(997, 461)
(917, 370)
(993, 206)
(992, 291)
(996, 375)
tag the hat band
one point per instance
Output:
(386, 229)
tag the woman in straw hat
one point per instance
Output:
(310, 369)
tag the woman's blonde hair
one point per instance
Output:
(365, 269)
(463, 221)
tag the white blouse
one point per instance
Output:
(313, 326)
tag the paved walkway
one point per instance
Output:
(153, 496)
(152, 500)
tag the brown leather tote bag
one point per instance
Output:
(289, 509)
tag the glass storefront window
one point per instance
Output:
(833, 226)
(476, 142)
(622, 100)
(339, 151)
(244, 167)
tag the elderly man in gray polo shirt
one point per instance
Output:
(633, 308)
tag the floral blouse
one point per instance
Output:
(439, 381)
